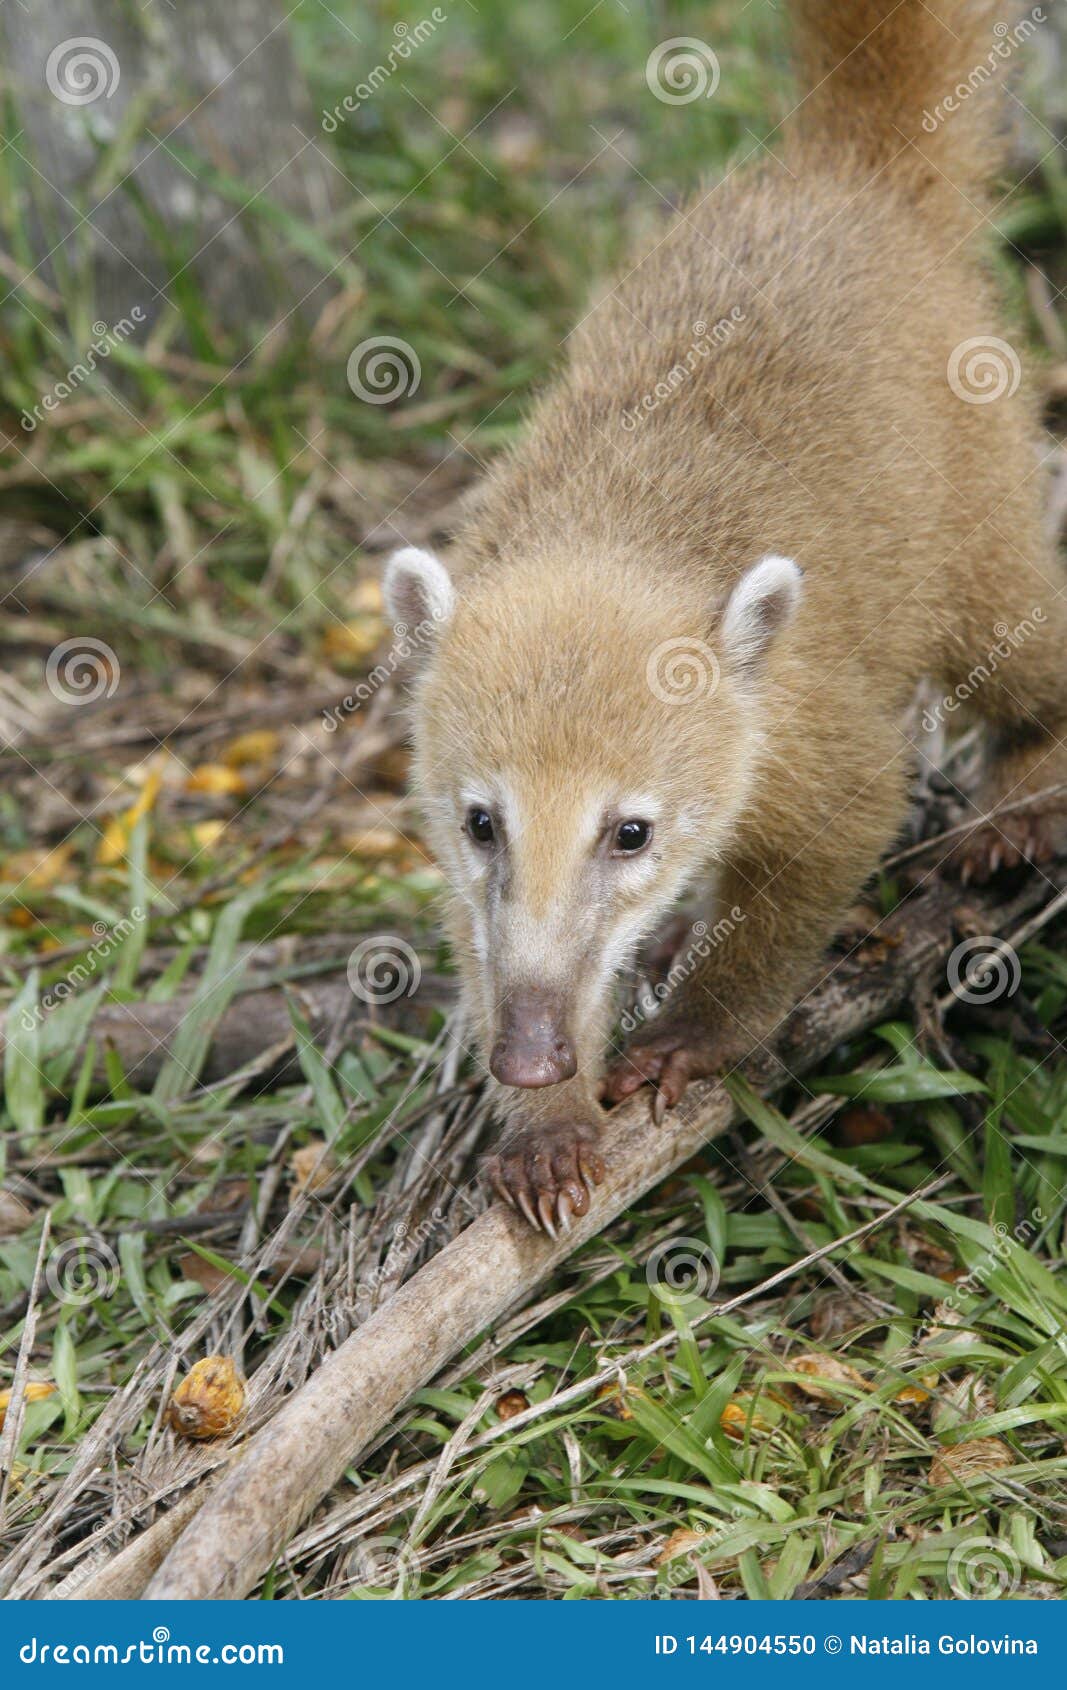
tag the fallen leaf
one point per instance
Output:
(14, 1214)
(735, 1418)
(206, 834)
(216, 780)
(613, 1403)
(36, 1390)
(38, 870)
(258, 746)
(118, 830)
(347, 642)
(863, 1124)
(816, 1367)
(680, 1542)
(366, 598)
(202, 1273)
(310, 1168)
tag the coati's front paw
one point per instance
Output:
(1028, 836)
(548, 1172)
(668, 1057)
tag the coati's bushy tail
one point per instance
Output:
(906, 86)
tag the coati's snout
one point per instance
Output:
(533, 1047)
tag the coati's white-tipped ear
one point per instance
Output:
(417, 589)
(763, 602)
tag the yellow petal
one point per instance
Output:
(259, 746)
(215, 779)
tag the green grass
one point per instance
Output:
(210, 504)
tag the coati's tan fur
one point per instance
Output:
(820, 426)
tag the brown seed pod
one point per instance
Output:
(510, 1404)
(962, 1462)
(210, 1400)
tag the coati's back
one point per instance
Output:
(677, 640)
(780, 358)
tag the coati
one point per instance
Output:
(680, 634)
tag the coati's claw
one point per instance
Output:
(548, 1173)
(667, 1060)
(998, 847)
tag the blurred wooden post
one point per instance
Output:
(216, 81)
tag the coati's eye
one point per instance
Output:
(480, 826)
(631, 837)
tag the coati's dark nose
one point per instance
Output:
(533, 1048)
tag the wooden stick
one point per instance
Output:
(125, 1575)
(291, 1463)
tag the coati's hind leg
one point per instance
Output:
(1019, 687)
